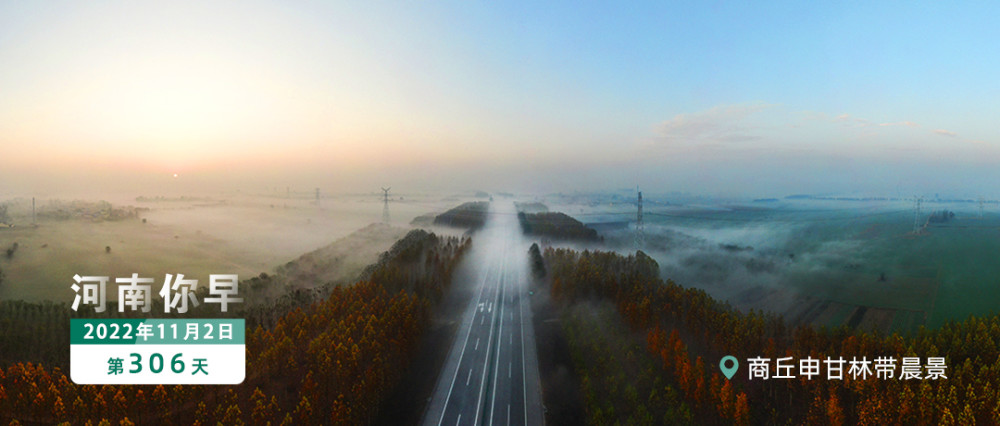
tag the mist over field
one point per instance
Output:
(526, 212)
(819, 261)
(822, 261)
(194, 235)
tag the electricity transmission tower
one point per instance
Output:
(385, 204)
(916, 213)
(640, 234)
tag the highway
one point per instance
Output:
(491, 373)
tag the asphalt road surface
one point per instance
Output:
(491, 374)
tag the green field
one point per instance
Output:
(829, 263)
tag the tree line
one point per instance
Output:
(686, 332)
(329, 361)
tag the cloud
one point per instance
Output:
(806, 116)
(861, 122)
(944, 132)
(900, 123)
(848, 118)
(720, 124)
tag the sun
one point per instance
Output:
(175, 175)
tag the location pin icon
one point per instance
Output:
(729, 365)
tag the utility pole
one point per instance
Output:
(916, 213)
(385, 204)
(640, 235)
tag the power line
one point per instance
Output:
(916, 213)
(703, 215)
(640, 232)
(385, 204)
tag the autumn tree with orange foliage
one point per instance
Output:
(329, 362)
(672, 320)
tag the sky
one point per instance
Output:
(727, 98)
